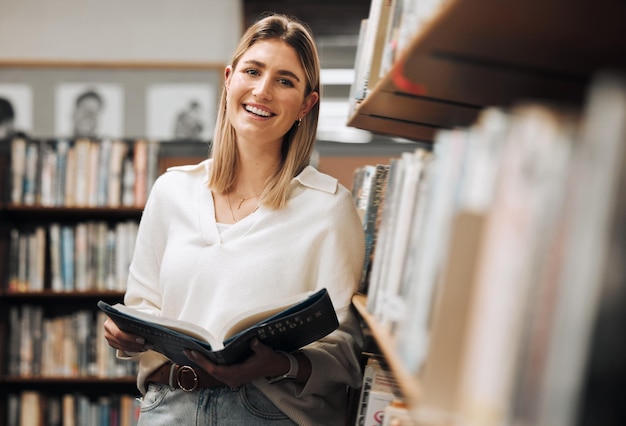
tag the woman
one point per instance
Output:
(253, 224)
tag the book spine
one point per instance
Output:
(371, 221)
(140, 163)
(93, 173)
(128, 182)
(48, 175)
(14, 341)
(14, 260)
(30, 173)
(103, 172)
(70, 178)
(357, 89)
(118, 153)
(38, 257)
(18, 170)
(62, 149)
(67, 257)
(80, 257)
(22, 267)
(56, 265)
(81, 178)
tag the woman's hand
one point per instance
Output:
(119, 339)
(264, 362)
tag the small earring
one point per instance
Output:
(299, 121)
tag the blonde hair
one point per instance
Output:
(299, 141)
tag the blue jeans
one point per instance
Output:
(221, 406)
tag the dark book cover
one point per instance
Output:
(286, 326)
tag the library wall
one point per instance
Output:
(118, 30)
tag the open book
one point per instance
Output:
(287, 325)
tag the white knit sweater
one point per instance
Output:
(184, 268)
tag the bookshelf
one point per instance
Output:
(109, 386)
(51, 347)
(467, 57)
(409, 386)
(472, 54)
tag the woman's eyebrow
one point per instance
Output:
(262, 65)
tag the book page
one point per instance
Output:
(249, 318)
(184, 327)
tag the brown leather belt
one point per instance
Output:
(183, 377)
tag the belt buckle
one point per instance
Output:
(183, 369)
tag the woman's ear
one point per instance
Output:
(308, 103)
(228, 71)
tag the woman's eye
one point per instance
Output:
(285, 82)
(252, 71)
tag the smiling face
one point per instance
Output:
(266, 92)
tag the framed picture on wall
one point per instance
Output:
(16, 109)
(183, 111)
(90, 110)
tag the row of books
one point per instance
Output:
(368, 190)
(383, 36)
(492, 252)
(32, 408)
(380, 402)
(71, 345)
(83, 256)
(82, 173)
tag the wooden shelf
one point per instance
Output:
(95, 380)
(92, 386)
(480, 53)
(70, 295)
(71, 213)
(409, 385)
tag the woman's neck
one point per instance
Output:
(253, 173)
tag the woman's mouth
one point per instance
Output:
(257, 111)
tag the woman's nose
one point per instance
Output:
(263, 88)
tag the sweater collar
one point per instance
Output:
(312, 178)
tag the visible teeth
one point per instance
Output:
(257, 111)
